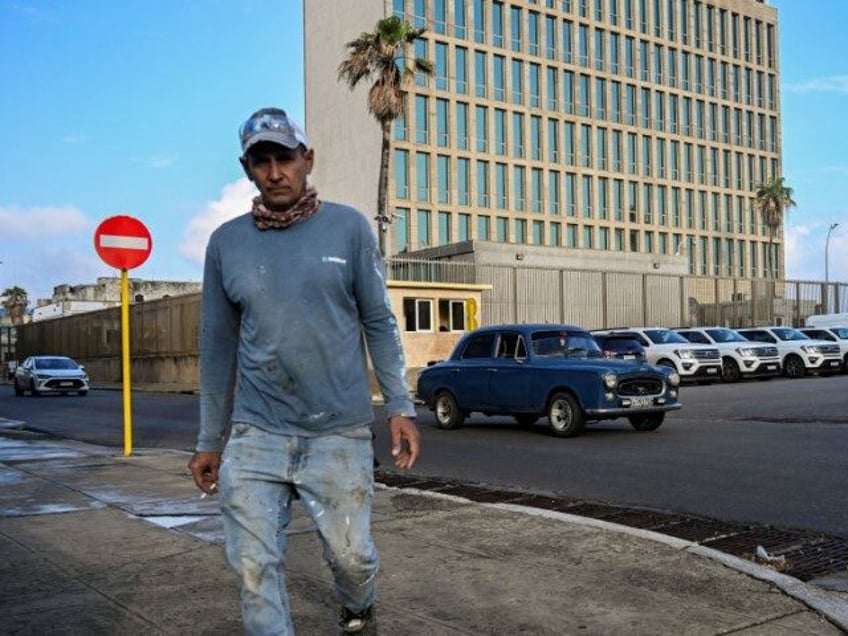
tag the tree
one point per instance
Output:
(15, 301)
(773, 199)
(382, 54)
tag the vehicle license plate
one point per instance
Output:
(712, 371)
(66, 384)
(627, 356)
(771, 367)
(638, 402)
(835, 363)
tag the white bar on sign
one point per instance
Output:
(128, 242)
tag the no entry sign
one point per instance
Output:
(123, 242)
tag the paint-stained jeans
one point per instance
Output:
(333, 475)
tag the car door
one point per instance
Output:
(470, 381)
(510, 377)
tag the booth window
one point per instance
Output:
(451, 315)
(418, 314)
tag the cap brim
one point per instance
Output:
(289, 141)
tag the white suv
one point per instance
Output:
(799, 354)
(667, 348)
(740, 358)
(839, 335)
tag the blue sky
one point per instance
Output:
(132, 107)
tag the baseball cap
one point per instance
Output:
(274, 125)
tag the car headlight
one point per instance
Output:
(673, 379)
(610, 380)
(684, 354)
(747, 353)
(810, 349)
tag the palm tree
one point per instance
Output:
(773, 199)
(15, 301)
(382, 53)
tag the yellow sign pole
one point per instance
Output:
(125, 359)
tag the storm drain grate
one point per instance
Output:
(774, 540)
(701, 530)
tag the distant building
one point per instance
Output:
(106, 292)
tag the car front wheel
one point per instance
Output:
(730, 370)
(647, 421)
(794, 367)
(565, 417)
(18, 389)
(32, 390)
(448, 415)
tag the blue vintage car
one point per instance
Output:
(557, 371)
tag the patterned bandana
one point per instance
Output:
(305, 207)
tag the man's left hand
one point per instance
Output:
(405, 441)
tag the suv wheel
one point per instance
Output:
(730, 370)
(794, 367)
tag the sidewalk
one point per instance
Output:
(95, 543)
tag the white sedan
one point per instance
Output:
(50, 374)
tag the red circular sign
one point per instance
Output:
(123, 242)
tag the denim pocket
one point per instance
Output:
(240, 429)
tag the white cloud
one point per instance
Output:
(161, 161)
(805, 252)
(236, 199)
(832, 84)
(36, 222)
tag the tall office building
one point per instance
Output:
(607, 129)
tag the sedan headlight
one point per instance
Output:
(610, 380)
(673, 379)
(685, 354)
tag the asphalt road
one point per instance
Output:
(755, 452)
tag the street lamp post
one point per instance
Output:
(832, 227)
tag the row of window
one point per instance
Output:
(519, 81)
(691, 23)
(480, 183)
(717, 256)
(632, 202)
(514, 134)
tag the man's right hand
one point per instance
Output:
(204, 468)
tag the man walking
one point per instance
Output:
(294, 295)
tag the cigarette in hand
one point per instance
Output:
(213, 488)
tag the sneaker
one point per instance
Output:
(356, 622)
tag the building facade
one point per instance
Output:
(596, 128)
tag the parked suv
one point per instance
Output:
(799, 354)
(839, 335)
(740, 358)
(667, 348)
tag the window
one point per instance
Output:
(418, 314)
(451, 315)
(479, 346)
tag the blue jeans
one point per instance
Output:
(334, 478)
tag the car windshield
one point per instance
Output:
(841, 332)
(785, 333)
(571, 344)
(665, 336)
(55, 363)
(725, 335)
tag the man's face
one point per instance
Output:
(278, 172)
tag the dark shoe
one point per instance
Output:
(358, 622)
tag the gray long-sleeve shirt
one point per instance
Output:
(285, 318)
